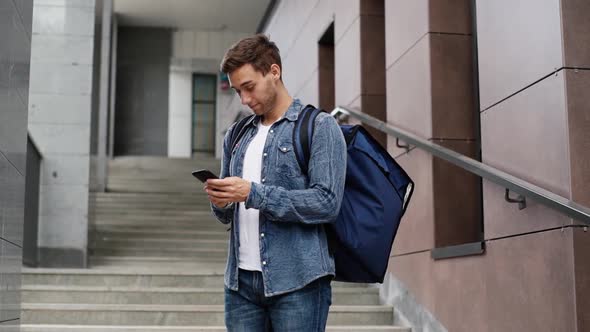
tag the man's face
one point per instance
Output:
(257, 91)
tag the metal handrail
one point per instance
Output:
(510, 182)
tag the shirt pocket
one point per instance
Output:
(286, 161)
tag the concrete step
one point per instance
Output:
(200, 210)
(125, 314)
(165, 295)
(160, 224)
(126, 174)
(164, 166)
(175, 171)
(98, 241)
(185, 182)
(214, 229)
(163, 261)
(198, 202)
(204, 217)
(193, 216)
(192, 232)
(206, 276)
(197, 208)
(114, 262)
(177, 197)
(172, 253)
(201, 203)
(204, 214)
(206, 223)
(138, 162)
(106, 328)
(114, 232)
(149, 188)
(140, 197)
(172, 199)
(172, 180)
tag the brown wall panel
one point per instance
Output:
(450, 16)
(373, 55)
(372, 7)
(457, 199)
(372, 25)
(576, 32)
(582, 277)
(453, 114)
(326, 77)
(375, 106)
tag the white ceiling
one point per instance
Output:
(203, 15)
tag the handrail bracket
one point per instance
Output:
(402, 146)
(520, 199)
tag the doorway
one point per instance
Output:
(203, 113)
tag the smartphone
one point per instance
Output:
(204, 174)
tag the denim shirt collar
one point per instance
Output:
(292, 113)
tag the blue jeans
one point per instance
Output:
(303, 310)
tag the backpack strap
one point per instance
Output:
(239, 130)
(302, 135)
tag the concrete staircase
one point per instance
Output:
(156, 259)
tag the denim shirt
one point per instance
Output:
(293, 206)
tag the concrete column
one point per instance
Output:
(15, 48)
(113, 87)
(59, 121)
(104, 101)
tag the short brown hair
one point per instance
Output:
(257, 50)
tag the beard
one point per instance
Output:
(270, 100)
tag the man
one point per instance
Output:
(279, 268)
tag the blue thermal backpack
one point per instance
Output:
(376, 194)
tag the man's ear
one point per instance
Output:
(275, 70)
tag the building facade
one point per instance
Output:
(502, 82)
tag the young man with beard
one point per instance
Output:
(279, 268)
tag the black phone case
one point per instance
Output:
(203, 175)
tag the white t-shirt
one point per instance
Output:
(248, 218)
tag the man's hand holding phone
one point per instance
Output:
(222, 192)
(228, 190)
